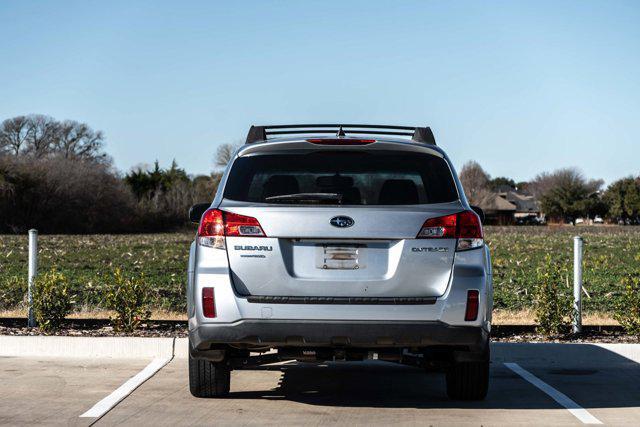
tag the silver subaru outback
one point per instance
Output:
(339, 242)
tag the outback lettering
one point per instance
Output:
(429, 249)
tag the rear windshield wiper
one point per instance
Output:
(306, 198)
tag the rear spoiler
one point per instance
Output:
(417, 134)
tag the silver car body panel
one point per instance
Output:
(395, 263)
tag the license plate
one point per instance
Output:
(341, 257)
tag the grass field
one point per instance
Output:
(162, 258)
(610, 253)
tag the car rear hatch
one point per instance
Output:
(337, 224)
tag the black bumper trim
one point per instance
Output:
(308, 333)
(269, 299)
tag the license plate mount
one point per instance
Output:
(341, 256)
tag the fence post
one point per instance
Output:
(33, 271)
(577, 285)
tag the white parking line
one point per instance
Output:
(103, 406)
(578, 411)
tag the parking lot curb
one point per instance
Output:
(137, 347)
(181, 348)
(91, 347)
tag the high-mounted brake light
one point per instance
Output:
(216, 224)
(464, 226)
(208, 303)
(340, 141)
(473, 304)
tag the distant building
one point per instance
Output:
(498, 210)
(508, 206)
(526, 204)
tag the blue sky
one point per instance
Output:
(521, 87)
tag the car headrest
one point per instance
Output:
(351, 196)
(334, 181)
(278, 185)
(398, 192)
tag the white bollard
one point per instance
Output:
(33, 271)
(577, 285)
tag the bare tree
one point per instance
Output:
(13, 135)
(475, 182)
(42, 134)
(78, 140)
(224, 154)
(565, 194)
(544, 182)
(541, 184)
(205, 186)
(55, 194)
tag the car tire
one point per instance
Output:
(468, 380)
(209, 379)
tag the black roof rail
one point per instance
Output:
(417, 134)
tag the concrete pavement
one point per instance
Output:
(52, 391)
(604, 382)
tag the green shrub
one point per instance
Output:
(627, 307)
(129, 298)
(552, 301)
(52, 300)
(13, 292)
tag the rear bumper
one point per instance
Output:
(361, 334)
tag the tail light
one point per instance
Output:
(473, 303)
(240, 225)
(208, 303)
(216, 224)
(464, 226)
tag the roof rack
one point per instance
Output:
(417, 134)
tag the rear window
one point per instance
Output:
(347, 178)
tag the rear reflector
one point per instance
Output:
(464, 226)
(473, 303)
(341, 141)
(208, 303)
